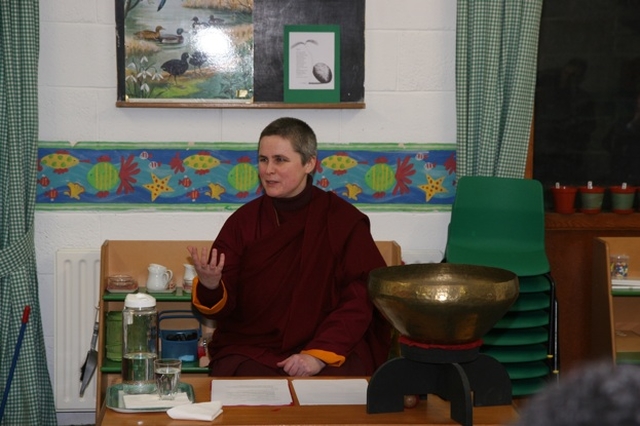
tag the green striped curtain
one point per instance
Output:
(496, 51)
(30, 398)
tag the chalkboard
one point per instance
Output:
(269, 19)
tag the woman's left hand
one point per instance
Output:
(301, 365)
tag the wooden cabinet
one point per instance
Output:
(615, 319)
(132, 258)
(569, 244)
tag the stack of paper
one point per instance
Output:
(331, 391)
(629, 283)
(142, 401)
(251, 392)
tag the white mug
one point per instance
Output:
(159, 279)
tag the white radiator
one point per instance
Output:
(76, 288)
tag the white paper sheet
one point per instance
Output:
(251, 392)
(331, 391)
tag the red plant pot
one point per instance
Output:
(564, 199)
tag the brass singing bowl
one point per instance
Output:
(443, 303)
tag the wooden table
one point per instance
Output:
(433, 411)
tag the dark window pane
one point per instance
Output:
(587, 113)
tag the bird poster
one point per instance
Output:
(185, 51)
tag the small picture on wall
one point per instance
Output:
(312, 63)
(187, 51)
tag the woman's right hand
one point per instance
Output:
(209, 272)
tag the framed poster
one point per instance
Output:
(311, 63)
(185, 52)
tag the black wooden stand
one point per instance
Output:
(453, 375)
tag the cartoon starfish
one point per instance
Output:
(158, 186)
(433, 187)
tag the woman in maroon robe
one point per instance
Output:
(286, 278)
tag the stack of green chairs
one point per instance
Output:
(499, 222)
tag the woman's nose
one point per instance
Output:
(269, 168)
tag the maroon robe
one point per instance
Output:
(297, 281)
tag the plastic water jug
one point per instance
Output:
(139, 343)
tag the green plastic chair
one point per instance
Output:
(498, 222)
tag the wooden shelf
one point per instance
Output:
(241, 105)
(132, 258)
(615, 328)
(600, 221)
(177, 296)
(115, 367)
(628, 358)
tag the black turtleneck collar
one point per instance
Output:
(296, 202)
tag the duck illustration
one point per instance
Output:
(176, 38)
(215, 21)
(148, 34)
(197, 25)
(176, 67)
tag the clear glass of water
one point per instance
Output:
(167, 377)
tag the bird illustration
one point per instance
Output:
(197, 25)
(173, 38)
(197, 59)
(148, 34)
(176, 67)
(215, 21)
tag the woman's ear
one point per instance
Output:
(311, 165)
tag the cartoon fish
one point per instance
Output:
(186, 182)
(353, 191)
(51, 194)
(154, 164)
(339, 162)
(104, 176)
(323, 183)
(215, 191)
(201, 162)
(243, 177)
(60, 161)
(429, 165)
(75, 189)
(381, 177)
(44, 181)
(144, 155)
(421, 156)
(194, 194)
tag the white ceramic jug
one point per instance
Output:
(159, 278)
(189, 272)
(189, 275)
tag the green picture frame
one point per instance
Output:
(311, 64)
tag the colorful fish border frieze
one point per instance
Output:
(223, 176)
